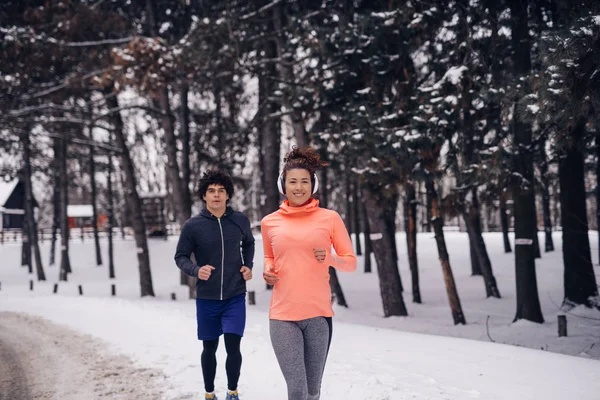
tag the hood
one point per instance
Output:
(311, 205)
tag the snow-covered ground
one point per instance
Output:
(371, 357)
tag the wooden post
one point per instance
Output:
(173, 296)
(251, 298)
(113, 289)
(80, 290)
(55, 288)
(562, 325)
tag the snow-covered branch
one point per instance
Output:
(130, 107)
(60, 86)
(78, 122)
(92, 43)
(260, 10)
(87, 142)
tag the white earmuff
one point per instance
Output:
(281, 184)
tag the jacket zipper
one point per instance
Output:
(222, 255)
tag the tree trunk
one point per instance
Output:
(269, 132)
(378, 205)
(536, 240)
(579, 278)
(453, 299)
(55, 199)
(495, 113)
(528, 303)
(29, 214)
(367, 236)
(556, 203)
(336, 288)
(334, 283)
(286, 74)
(25, 245)
(348, 198)
(598, 186)
(410, 226)
(472, 216)
(123, 206)
(324, 187)
(466, 124)
(111, 216)
(185, 137)
(548, 243)
(184, 121)
(504, 222)
(474, 231)
(65, 262)
(356, 216)
(475, 267)
(389, 214)
(135, 204)
(178, 196)
(94, 203)
(428, 214)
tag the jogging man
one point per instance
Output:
(223, 246)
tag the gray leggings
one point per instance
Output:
(301, 349)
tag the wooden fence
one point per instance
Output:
(45, 234)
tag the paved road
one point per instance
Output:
(43, 360)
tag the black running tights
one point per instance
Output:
(232, 365)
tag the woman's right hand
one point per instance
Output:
(270, 277)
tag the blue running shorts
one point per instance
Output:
(216, 317)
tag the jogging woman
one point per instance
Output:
(297, 241)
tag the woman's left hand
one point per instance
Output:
(320, 255)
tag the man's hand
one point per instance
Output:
(270, 277)
(246, 273)
(204, 272)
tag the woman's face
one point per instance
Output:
(298, 188)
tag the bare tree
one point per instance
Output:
(65, 262)
(92, 164)
(55, 198)
(410, 227)
(110, 212)
(378, 204)
(133, 199)
(528, 304)
(32, 231)
(436, 221)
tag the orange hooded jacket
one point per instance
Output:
(289, 236)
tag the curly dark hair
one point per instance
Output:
(215, 177)
(305, 158)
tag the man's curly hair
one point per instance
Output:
(215, 177)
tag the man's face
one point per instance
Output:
(216, 198)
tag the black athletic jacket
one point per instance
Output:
(226, 243)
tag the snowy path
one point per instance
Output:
(42, 360)
(365, 363)
(13, 380)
